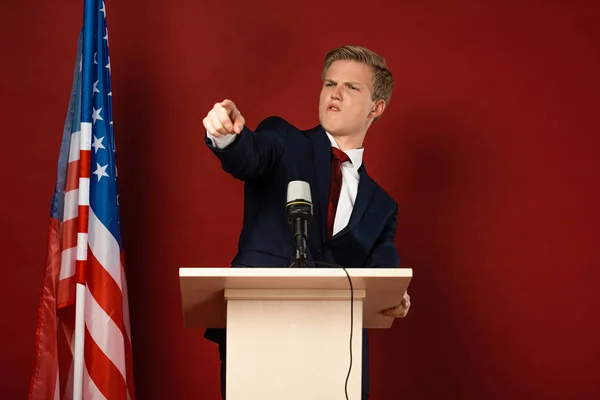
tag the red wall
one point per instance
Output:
(490, 146)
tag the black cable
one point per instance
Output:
(351, 318)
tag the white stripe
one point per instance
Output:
(105, 248)
(67, 263)
(90, 390)
(74, 146)
(86, 136)
(84, 191)
(82, 246)
(105, 333)
(71, 203)
(78, 346)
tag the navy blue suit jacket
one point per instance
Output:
(267, 160)
(277, 153)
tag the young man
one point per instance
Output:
(354, 220)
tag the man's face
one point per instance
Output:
(346, 101)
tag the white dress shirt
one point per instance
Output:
(350, 178)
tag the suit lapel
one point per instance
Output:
(322, 163)
(366, 189)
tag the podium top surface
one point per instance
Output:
(202, 289)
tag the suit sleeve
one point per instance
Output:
(252, 154)
(384, 254)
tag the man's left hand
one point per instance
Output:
(399, 311)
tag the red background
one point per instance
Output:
(490, 146)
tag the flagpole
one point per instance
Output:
(89, 13)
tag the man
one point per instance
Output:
(354, 220)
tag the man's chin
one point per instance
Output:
(331, 128)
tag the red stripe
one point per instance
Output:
(65, 294)
(85, 160)
(84, 218)
(69, 234)
(80, 271)
(43, 377)
(72, 176)
(103, 372)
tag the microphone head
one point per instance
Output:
(298, 191)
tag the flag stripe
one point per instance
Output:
(74, 146)
(84, 212)
(105, 291)
(103, 372)
(85, 161)
(72, 175)
(67, 262)
(71, 199)
(82, 246)
(84, 190)
(105, 333)
(86, 137)
(45, 369)
(69, 234)
(65, 295)
(109, 297)
(90, 390)
(105, 248)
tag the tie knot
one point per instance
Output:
(339, 155)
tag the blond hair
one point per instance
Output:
(383, 82)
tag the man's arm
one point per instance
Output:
(243, 153)
(385, 255)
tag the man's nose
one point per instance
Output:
(336, 94)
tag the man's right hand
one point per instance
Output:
(224, 119)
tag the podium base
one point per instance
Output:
(293, 344)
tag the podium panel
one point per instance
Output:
(294, 348)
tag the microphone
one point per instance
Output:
(298, 210)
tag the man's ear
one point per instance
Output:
(377, 109)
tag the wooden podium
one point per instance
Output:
(288, 329)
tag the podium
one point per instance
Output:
(291, 331)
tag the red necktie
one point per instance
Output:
(337, 158)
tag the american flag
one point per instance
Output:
(83, 338)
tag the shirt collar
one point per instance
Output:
(355, 155)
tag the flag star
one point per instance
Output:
(110, 123)
(118, 200)
(103, 9)
(100, 171)
(98, 144)
(80, 63)
(96, 87)
(95, 54)
(108, 65)
(106, 37)
(110, 93)
(96, 115)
